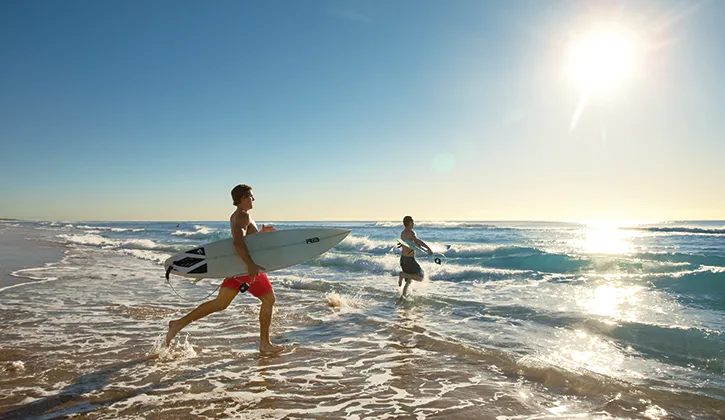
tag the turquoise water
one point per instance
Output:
(546, 318)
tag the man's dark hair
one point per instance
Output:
(407, 220)
(240, 192)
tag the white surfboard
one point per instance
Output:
(416, 247)
(412, 245)
(272, 250)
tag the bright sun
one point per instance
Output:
(602, 60)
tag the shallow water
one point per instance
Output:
(523, 320)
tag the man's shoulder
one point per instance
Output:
(239, 217)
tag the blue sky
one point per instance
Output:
(356, 110)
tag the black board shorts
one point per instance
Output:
(410, 266)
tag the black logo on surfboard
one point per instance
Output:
(312, 240)
(198, 251)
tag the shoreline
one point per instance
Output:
(500, 328)
(23, 248)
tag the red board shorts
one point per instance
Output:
(258, 286)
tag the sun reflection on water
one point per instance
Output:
(604, 237)
(579, 350)
(613, 300)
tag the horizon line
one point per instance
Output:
(2, 219)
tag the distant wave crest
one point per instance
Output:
(201, 232)
(104, 228)
(440, 225)
(100, 241)
(679, 229)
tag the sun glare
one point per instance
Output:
(602, 60)
(614, 300)
(606, 237)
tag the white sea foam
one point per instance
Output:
(361, 262)
(178, 349)
(364, 244)
(39, 274)
(390, 263)
(157, 257)
(655, 412)
(15, 366)
(438, 224)
(100, 241)
(345, 303)
(475, 250)
(200, 231)
(109, 229)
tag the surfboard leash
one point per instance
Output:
(243, 288)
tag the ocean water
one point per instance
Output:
(521, 321)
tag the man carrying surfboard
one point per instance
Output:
(411, 268)
(258, 284)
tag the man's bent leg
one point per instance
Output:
(265, 320)
(223, 299)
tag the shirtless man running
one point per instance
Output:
(259, 285)
(411, 268)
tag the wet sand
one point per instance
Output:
(22, 248)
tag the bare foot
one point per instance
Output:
(270, 348)
(174, 328)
